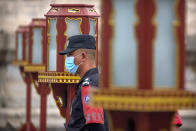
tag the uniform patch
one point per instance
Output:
(86, 82)
(86, 99)
(92, 114)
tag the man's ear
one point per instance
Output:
(84, 55)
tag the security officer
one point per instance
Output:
(80, 60)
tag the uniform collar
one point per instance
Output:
(87, 74)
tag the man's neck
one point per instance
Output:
(85, 69)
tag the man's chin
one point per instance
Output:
(77, 73)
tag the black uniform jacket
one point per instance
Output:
(79, 120)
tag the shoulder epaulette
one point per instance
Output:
(86, 82)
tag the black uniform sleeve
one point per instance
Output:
(93, 127)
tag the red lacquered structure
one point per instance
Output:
(37, 63)
(63, 21)
(21, 59)
(142, 64)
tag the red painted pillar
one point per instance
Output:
(106, 33)
(43, 92)
(145, 33)
(28, 102)
(43, 107)
(28, 126)
(143, 122)
(181, 39)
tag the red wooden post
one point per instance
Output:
(28, 102)
(43, 106)
(43, 113)
(146, 11)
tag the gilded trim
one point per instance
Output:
(144, 93)
(54, 10)
(60, 77)
(34, 68)
(91, 10)
(135, 100)
(55, 80)
(136, 23)
(73, 10)
(96, 32)
(176, 24)
(59, 100)
(20, 63)
(143, 104)
(111, 41)
(37, 22)
(57, 77)
(154, 22)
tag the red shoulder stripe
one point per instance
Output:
(92, 114)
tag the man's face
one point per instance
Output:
(77, 57)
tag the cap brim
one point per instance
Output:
(64, 52)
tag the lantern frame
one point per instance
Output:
(178, 97)
(63, 84)
(32, 69)
(28, 125)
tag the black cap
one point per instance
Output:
(79, 42)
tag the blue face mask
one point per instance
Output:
(69, 64)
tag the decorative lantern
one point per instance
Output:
(63, 21)
(21, 58)
(142, 62)
(37, 45)
(22, 50)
